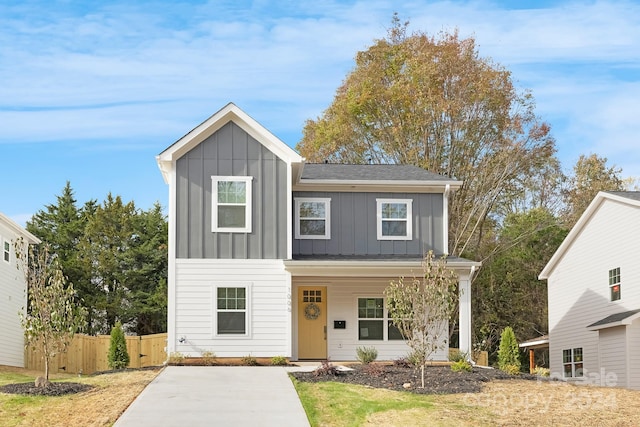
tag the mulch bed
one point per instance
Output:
(438, 379)
(52, 389)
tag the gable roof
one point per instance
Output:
(17, 229)
(631, 198)
(617, 319)
(229, 112)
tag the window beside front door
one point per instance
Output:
(572, 362)
(614, 284)
(373, 321)
(231, 204)
(394, 219)
(312, 218)
(231, 310)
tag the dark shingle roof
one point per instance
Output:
(334, 171)
(634, 195)
(614, 318)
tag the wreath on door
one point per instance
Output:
(311, 311)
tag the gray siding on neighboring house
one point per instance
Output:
(353, 226)
(231, 152)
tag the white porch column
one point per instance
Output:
(464, 320)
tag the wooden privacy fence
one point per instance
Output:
(88, 354)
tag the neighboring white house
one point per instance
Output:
(269, 255)
(594, 295)
(13, 293)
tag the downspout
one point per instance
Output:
(445, 219)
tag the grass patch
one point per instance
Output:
(335, 404)
(100, 406)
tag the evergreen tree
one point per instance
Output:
(508, 355)
(118, 357)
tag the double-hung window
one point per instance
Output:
(231, 210)
(614, 283)
(6, 251)
(313, 218)
(373, 320)
(231, 310)
(572, 362)
(394, 219)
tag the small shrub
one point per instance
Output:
(279, 361)
(415, 358)
(209, 358)
(461, 366)
(402, 362)
(326, 369)
(457, 356)
(511, 369)
(249, 361)
(176, 358)
(366, 355)
(541, 372)
(508, 353)
(373, 369)
(118, 357)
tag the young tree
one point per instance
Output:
(433, 102)
(422, 307)
(52, 317)
(508, 355)
(118, 357)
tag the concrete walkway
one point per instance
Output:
(221, 396)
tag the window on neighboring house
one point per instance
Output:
(373, 320)
(6, 251)
(313, 218)
(394, 219)
(572, 362)
(231, 311)
(614, 283)
(231, 211)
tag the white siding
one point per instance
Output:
(269, 307)
(613, 354)
(578, 286)
(343, 294)
(633, 354)
(12, 302)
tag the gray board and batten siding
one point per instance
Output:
(353, 226)
(231, 152)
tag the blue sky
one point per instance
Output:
(92, 91)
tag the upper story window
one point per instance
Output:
(614, 283)
(6, 251)
(231, 198)
(313, 218)
(394, 219)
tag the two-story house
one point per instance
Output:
(594, 295)
(13, 293)
(269, 255)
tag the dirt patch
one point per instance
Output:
(438, 379)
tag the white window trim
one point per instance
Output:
(618, 284)
(385, 320)
(214, 204)
(327, 218)
(247, 316)
(409, 219)
(5, 241)
(573, 362)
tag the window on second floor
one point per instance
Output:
(614, 283)
(394, 219)
(231, 199)
(6, 251)
(313, 218)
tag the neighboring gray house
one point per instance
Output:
(269, 255)
(594, 295)
(13, 293)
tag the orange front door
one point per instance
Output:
(312, 322)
